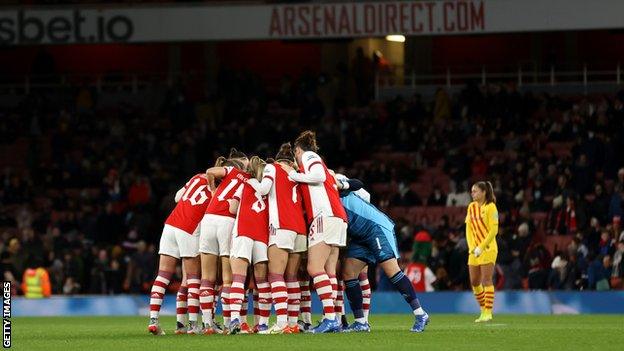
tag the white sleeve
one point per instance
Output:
(268, 177)
(179, 194)
(365, 195)
(430, 278)
(238, 193)
(313, 168)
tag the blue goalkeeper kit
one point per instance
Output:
(370, 231)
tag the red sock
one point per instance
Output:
(340, 298)
(306, 302)
(237, 295)
(294, 299)
(181, 305)
(193, 296)
(279, 294)
(225, 304)
(206, 300)
(366, 293)
(158, 292)
(323, 287)
(243, 310)
(256, 307)
(264, 301)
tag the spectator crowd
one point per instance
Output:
(86, 185)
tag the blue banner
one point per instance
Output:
(507, 302)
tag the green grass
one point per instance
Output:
(390, 332)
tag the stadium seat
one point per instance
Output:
(557, 242)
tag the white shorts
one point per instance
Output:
(215, 235)
(177, 243)
(251, 250)
(288, 240)
(330, 230)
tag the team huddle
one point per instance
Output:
(272, 230)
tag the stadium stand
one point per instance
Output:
(90, 204)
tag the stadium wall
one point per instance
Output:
(542, 302)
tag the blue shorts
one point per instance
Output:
(379, 246)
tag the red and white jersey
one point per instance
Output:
(285, 201)
(321, 199)
(252, 218)
(219, 204)
(421, 276)
(191, 207)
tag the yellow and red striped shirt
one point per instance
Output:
(480, 222)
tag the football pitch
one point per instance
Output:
(390, 332)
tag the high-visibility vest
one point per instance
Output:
(36, 283)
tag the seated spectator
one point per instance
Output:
(617, 274)
(437, 197)
(599, 273)
(563, 273)
(600, 205)
(538, 263)
(405, 197)
(458, 197)
(564, 219)
(606, 246)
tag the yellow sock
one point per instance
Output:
(479, 294)
(489, 298)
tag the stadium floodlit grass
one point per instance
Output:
(390, 332)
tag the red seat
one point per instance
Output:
(557, 242)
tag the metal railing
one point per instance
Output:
(131, 82)
(400, 77)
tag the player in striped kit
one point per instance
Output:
(328, 224)
(250, 237)
(481, 230)
(287, 238)
(215, 235)
(180, 240)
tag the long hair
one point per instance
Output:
(225, 162)
(489, 191)
(256, 167)
(236, 154)
(307, 141)
(285, 155)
